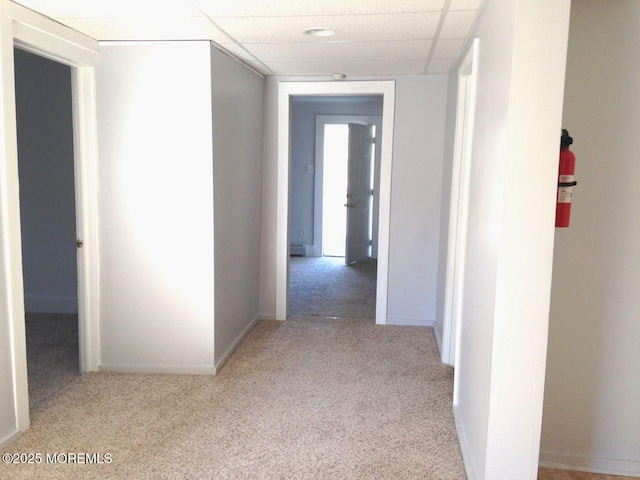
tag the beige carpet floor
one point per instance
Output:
(52, 354)
(307, 398)
(326, 287)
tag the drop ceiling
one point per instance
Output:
(373, 38)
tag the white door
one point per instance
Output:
(359, 192)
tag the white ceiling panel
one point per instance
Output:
(327, 67)
(440, 65)
(352, 28)
(457, 24)
(181, 28)
(378, 37)
(289, 8)
(466, 4)
(345, 51)
(448, 48)
(112, 8)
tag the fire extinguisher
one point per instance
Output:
(566, 169)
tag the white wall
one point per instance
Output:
(501, 356)
(156, 206)
(267, 301)
(47, 189)
(415, 199)
(237, 177)
(592, 396)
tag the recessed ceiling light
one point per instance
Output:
(319, 32)
(338, 76)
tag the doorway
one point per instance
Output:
(288, 91)
(326, 281)
(36, 34)
(448, 337)
(48, 222)
(335, 148)
(326, 179)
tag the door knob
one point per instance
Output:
(349, 205)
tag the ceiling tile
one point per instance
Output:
(466, 4)
(181, 28)
(379, 37)
(326, 67)
(111, 8)
(440, 65)
(344, 51)
(352, 28)
(457, 24)
(448, 48)
(287, 8)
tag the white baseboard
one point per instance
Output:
(590, 464)
(50, 304)
(410, 322)
(437, 334)
(9, 439)
(465, 448)
(166, 369)
(225, 356)
(313, 251)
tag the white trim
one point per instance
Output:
(9, 439)
(285, 91)
(51, 47)
(11, 283)
(232, 348)
(467, 79)
(465, 447)
(591, 464)
(161, 370)
(39, 35)
(42, 36)
(410, 322)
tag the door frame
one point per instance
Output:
(286, 90)
(458, 211)
(30, 31)
(341, 119)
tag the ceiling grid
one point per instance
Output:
(375, 38)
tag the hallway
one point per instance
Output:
(326, 287)
(306, 398)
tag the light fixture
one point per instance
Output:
(319, 32)
(338, 76)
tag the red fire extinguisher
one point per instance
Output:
(566, 182)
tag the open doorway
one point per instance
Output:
(44, 121)
(349, 159)
(335, 149)
(287, 92)
(36, 34)
(447, 334)
(335, 164)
